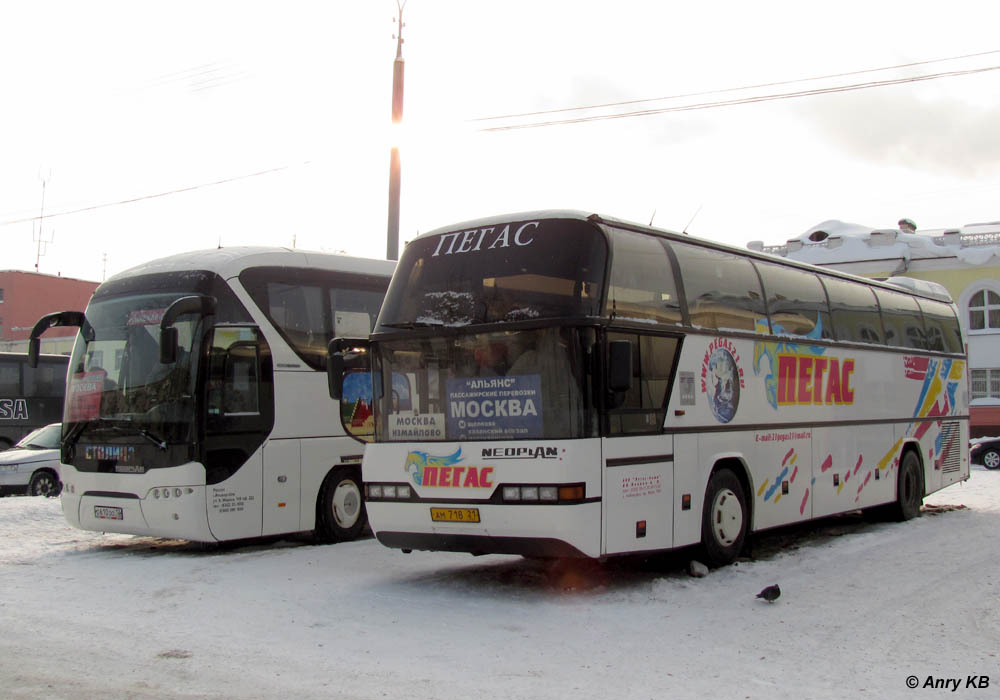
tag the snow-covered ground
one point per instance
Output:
(864, 606)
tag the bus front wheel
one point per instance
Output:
(725, 519)
(341, 509)
(909, 487)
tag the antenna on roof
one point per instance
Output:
(652, 217)
(698, 211)
(38, 235)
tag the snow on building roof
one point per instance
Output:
(831, 242)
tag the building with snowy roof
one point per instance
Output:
(965, 260)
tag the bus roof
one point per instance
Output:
(228, 262)
(906, 284)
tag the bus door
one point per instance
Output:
(637, 456)
(239, 402)
(638, 491)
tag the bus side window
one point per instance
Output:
(233, 377)
(941, 326)
(899, 314)
(722, 290)
(10, 379)
(796, 302)
(644, 405)
(855, 311)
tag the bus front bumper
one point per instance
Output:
(537, 530)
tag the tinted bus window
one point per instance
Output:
(310, 307)
(643, 407)
(508, 272)
(901, 315)
(854, 311)
(722, 290)
(30, 398)
(642, 281)
(940, 326)
(48, 379)
(796, 302)
(10, 377)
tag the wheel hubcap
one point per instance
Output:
(43, 487)
(727, 517)
(346, 504)
(991, 460)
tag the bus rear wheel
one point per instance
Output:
(909, 488)
(725, 519)
(340, 512)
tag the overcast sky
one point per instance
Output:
(288, 106)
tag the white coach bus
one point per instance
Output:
(564, 385)
(196, 403)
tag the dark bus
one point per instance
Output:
(29, 398)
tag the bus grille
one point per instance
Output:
(951, 452)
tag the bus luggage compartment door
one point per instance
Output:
(638, 492)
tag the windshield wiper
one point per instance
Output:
(108, 424)
(162, 444)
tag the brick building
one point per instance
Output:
(27, 296)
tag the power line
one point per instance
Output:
(734, 89)
(153, 196)
(742, 100)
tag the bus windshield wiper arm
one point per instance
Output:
(152, 438)
(108, 424)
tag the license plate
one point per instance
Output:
(455, 515)
(108, 513)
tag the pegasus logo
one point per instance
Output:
(417, 462)
(431, 470)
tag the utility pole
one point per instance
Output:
(392, 235)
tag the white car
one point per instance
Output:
(32, 465)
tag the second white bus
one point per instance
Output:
(196, 407)
(560, 384)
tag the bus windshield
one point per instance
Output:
(520, 271)
(116, 376)
(520, 384)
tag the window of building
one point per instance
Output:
(986, 383)
(984, 310)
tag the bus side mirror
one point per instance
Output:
(168, 345)
(335, 369)
(59, 318)
(34, 348)
(619, 366)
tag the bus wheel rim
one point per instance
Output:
(727, 517)
(346, 503)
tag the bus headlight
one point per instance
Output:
(388, 492)
(548, 493)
